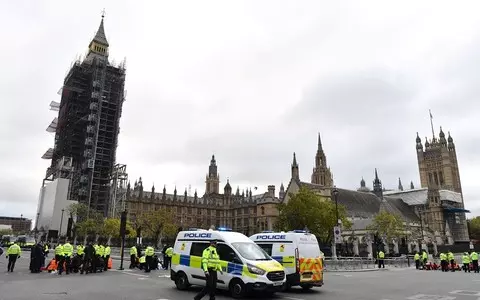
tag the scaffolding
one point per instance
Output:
(118, 188)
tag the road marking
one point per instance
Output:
(163, 276)
(133, 274)
(430, 297)
(141, 278)
(291, 298)
(466, 293)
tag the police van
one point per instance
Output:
(299, 253)
(246, 267)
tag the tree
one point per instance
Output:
(307, 209)
(387, 225)
(158, 224)
(111, 229)
(474, 228)
(86, 221)
(7, 231)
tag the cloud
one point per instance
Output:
(252, 85)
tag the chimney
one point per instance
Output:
(271, 190)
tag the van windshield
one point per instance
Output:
(251, 251)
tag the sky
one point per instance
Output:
(251, 82)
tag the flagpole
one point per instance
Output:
(431, 124)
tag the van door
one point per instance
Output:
(232, 265)
(195, 272)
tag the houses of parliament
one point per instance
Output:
(242, 211)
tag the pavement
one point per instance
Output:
(393, 284)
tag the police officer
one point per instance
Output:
(168, 257)
(13, 253)
(466, 262)
(416, 257)
(381, 259)
(149, 252)
(106, 256)
(68, 252)
(210, 265)
(59, 258)
(133, 257)
(474, 258)
(443, 262)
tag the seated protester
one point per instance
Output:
(76, 263)
(52, 265)
(142, 262)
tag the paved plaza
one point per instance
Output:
(395, 284)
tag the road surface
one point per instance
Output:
(396, 284)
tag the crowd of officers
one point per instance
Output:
(448, 263)
(149, 261)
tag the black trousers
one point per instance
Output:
(166, 262)
(148, 263)
(133, 261)
(417, 264)
(475, 265)
(381, 263)
(211, 286)
(443, 264)
(107, 257)
(12, 259)
(452, 264)
(68, 264)
(466, 267)
(59, 259)
(86, 265)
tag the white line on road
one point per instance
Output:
(133, 274)
(291, 298)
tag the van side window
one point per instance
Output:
(225, 252)
(197, 249)
(267, 248)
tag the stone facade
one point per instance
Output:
(242, 211)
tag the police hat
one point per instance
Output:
(214, 241)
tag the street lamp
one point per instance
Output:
(334, 244)
(61, 221)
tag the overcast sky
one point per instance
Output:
(252, 82)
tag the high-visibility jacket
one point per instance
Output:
(14, 250)
(424, 255)
(67, 249)
(381, 255)
(107, 251)
(443, 256)
(169, 252)
(466, 258)
(450, 256)
(133, 251)
(80, 249)
(46, 250)
(100, 250)
(474, 255)
(59, 250)
(142, 259)
(149, 251)
(210, 259)
(417, 256)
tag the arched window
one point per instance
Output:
(263, 210)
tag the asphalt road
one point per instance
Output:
(396, 284)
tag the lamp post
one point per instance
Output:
(334, 244)
(61, 221)
(36, 227)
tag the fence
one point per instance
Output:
(359, 263)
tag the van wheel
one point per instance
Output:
(182, 281)
(237, 288)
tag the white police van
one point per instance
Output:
(246, 267)
(299, 253)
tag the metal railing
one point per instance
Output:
(362, 263)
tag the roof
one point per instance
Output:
(100, 36)
(364, 205)
(420, 196)
(204, 235)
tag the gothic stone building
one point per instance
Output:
(437, 205)
(241, 211)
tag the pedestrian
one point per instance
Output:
(88, 258)
(13, 253)
(381, 259)
(210, 265)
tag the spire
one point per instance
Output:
(362, 183)
(400, 186)
(377, 186)
(164, 189)
(100, 36)
(443, 140)
(411, 185)
(320, 148)
(153, 188)
(431, 124)
(376, 175)
(295, 173)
